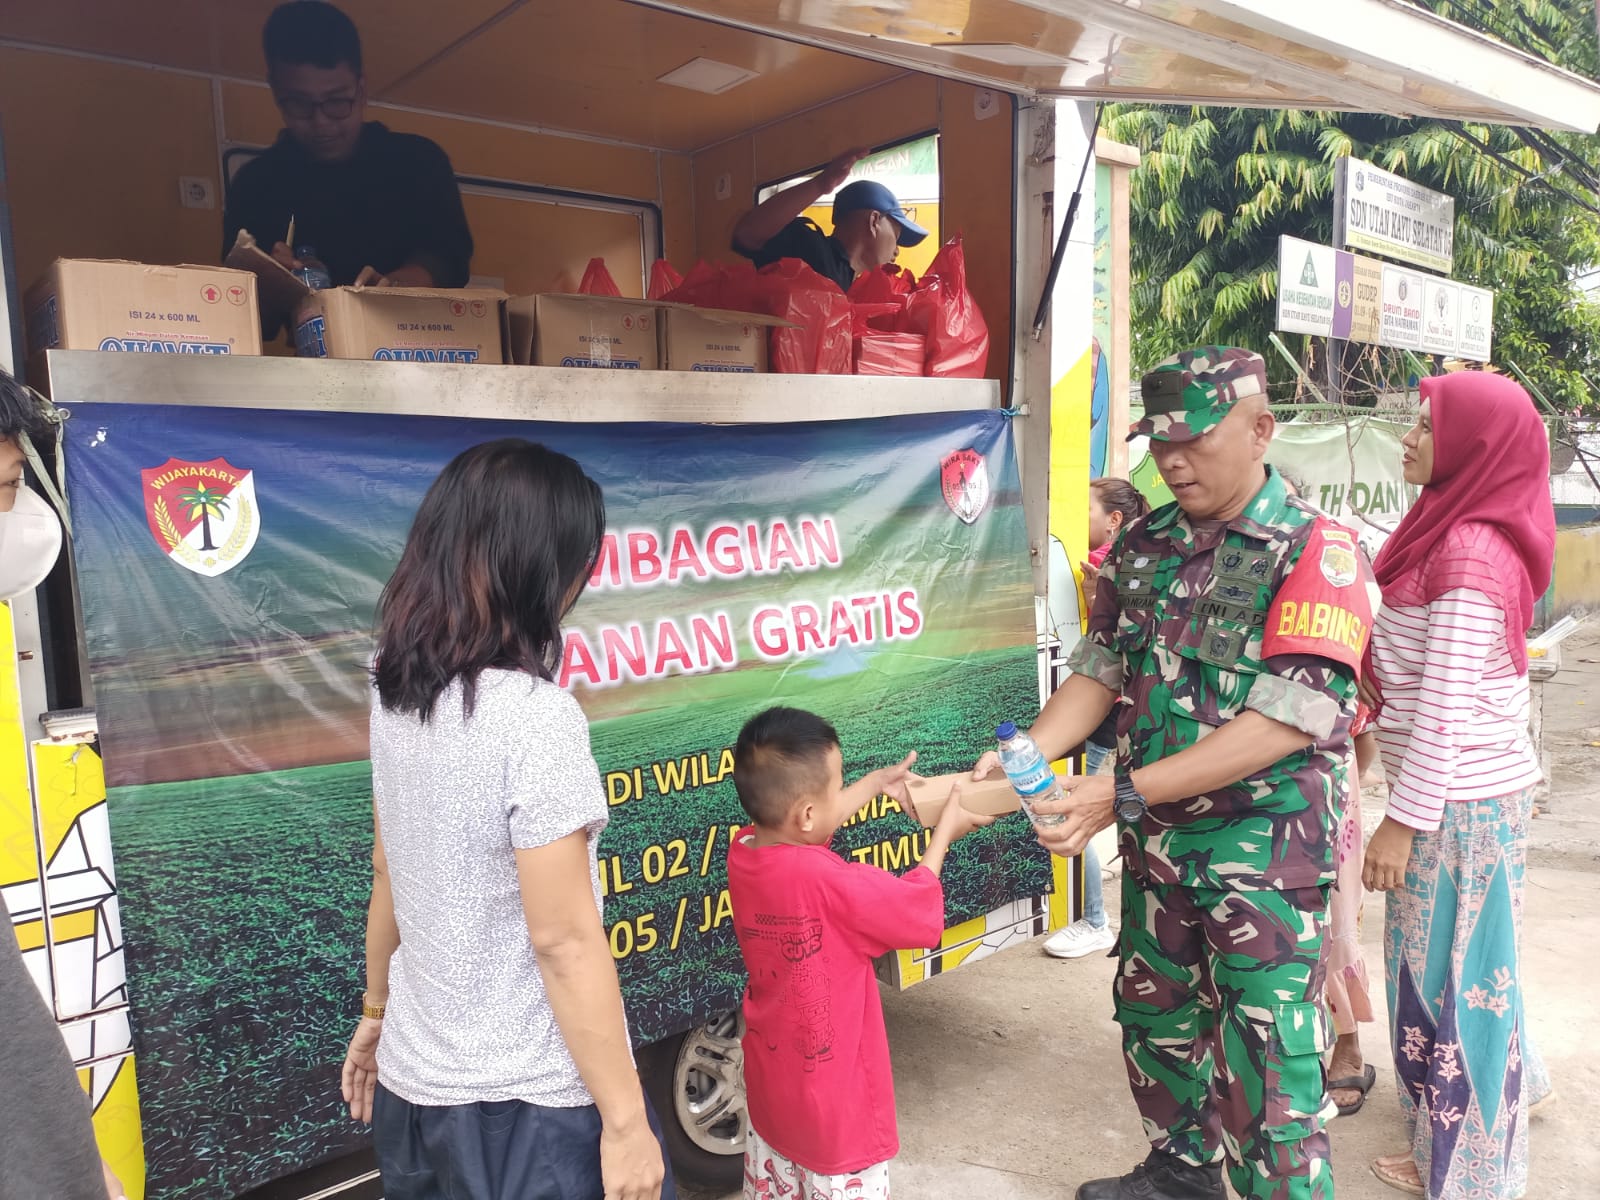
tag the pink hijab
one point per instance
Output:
(1491, 467)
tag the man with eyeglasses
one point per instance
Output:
(378, 207)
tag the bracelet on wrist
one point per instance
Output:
(372, 1011)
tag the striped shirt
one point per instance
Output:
(1454, 721)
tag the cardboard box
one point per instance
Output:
(991, 797)
(585, 331)
(713, 339)
(446, 325)
(98, 304)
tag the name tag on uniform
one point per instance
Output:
(1240, 614)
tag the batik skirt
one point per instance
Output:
(1464, 1065)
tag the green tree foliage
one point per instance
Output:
(1215, 187)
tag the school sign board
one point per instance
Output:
(1328, 292)
(1475, 330)
(1376, 210)
(1307, 287)
(1441, 315)
(1401, 323)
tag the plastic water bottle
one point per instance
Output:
(1029, 772)
(313, 273)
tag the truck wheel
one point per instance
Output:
(696, 1082)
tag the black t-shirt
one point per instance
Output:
(803, 238)
(394, 202)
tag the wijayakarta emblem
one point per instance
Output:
(964, 480)
(202, 515)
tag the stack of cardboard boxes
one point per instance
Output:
(84, 304)
(601, 331)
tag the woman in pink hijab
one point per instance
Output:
(1449, 680)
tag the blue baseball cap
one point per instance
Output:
(867, 195)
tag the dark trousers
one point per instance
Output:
(491, 1150)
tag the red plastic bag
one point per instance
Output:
(878, 300)
(820, 343)
(945, 313)
(888, 285)
(663, 278)
(597, 280)
(709, 285)
(876, 318)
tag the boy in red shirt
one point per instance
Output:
(816, 1056)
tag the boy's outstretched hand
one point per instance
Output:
(885, 781)
(955, 822)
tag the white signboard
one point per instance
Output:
(1441, 312)
(1400, 325)
(1379, 211)
(1477, 323)
(1305, 287)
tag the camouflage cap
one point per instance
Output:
(1191, 392)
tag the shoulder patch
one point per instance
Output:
(1323, 607)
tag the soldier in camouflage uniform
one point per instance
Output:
(1232, 623)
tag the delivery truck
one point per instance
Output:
(186, 819)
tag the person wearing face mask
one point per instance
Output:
(1232, 623)
(12, 458)
(30, 532)
(869, 225)
(377, 207)
(1449, 684)
(47, 1145)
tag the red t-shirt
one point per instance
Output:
(816, 1056)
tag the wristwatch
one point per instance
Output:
(1130, 805)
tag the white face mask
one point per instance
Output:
(30, 543)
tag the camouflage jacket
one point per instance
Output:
(1192, 627)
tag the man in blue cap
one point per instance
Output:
(869, 225)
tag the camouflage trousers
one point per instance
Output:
(1219, 995)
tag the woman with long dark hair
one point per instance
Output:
(492, 1057)
(1449, 684)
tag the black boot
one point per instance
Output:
(1161, 1176)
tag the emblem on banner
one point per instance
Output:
(964, 480)
(202, 515)
(1338, 559)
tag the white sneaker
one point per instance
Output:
(1078, 939)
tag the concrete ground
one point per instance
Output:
(1010, 1080)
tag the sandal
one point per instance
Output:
(1401, 1175)
(1354, 1083)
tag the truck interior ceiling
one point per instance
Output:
(604, 128)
